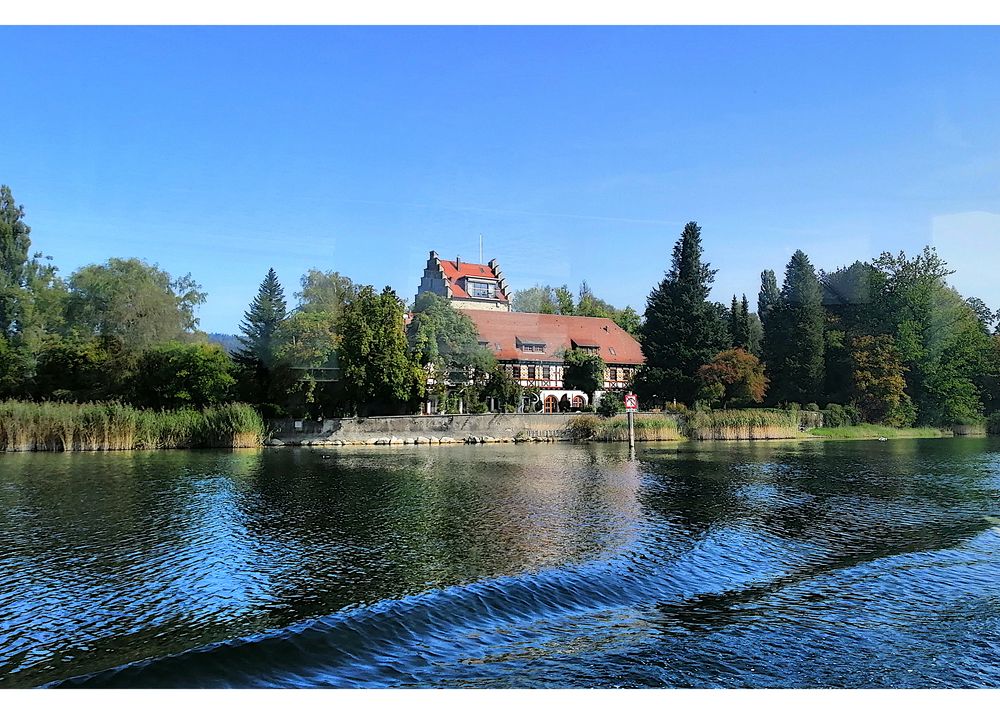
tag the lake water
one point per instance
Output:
(789, 564)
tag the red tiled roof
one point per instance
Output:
(454, 272)
(558, 332)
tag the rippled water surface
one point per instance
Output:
(816, 564)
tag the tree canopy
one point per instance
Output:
(682, 330)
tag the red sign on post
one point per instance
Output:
(631, 403)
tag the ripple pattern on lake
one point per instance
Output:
(844, 564)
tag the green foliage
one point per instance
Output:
(261, 321)
(735, 424)
(326, 292)
(836, 415)
(583, 371)
(540, 299)
(55, 426)
(878, 381)
(587, 427)
(793, 334)
(876, 431)
(176, 375)
(993, 423)
(14, 245)
(133, 301)
(612, 403)
(502, 388)
(375, 366)
(734, 377)
(682, 330)
(768, 297)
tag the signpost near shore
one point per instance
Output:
(631, 407)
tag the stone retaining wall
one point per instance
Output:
(454, 427)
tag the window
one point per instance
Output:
(481, 290)
(532, 347)
(612, 351)
(531, 371)
(546, 373)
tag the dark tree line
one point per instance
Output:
(889, 337)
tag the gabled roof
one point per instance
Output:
(557, 332)
(454, 272)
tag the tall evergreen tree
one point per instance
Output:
(261, 322)
(740, 324)
(768, 297)
(795, 328)
(682, 329)
(14, 246)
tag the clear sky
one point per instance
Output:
(578, 153)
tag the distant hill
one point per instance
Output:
(229, 343)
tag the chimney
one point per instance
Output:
(458, 262)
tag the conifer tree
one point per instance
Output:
(261, 322)
(14, 246)
(739, 324)
(794, 335)
(682, 329)
(768, 296)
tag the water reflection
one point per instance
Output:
(697, 565)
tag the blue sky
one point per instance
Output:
(578, 153)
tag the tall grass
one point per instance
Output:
(878, 431)
(588, 427)
(59, 426)
(736, 424)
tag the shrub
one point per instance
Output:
(584, 427)
(811, 407)
(610, 404)
(993, 423)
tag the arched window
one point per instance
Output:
(550, 404)
(577, 402)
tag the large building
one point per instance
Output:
(530, 346)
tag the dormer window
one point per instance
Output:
(531, 345)
(481, 289)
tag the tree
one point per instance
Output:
(374, 365)
(133, 301)
(14, 245)
(177, 375)
(261, 321)
(501, 387)
(583, 371)
(540, 299)
(755, 344)
(768, 297)
(682, 329)
(628, 319)
(445, 342)
(941, 340)
(878, 385)
(734, 377)
(564, 301)
(793, 335)
(325, 292)
(739, 323)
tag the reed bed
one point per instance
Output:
(878, 431)
(60, 426)
(743, 424)
(588, 427)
